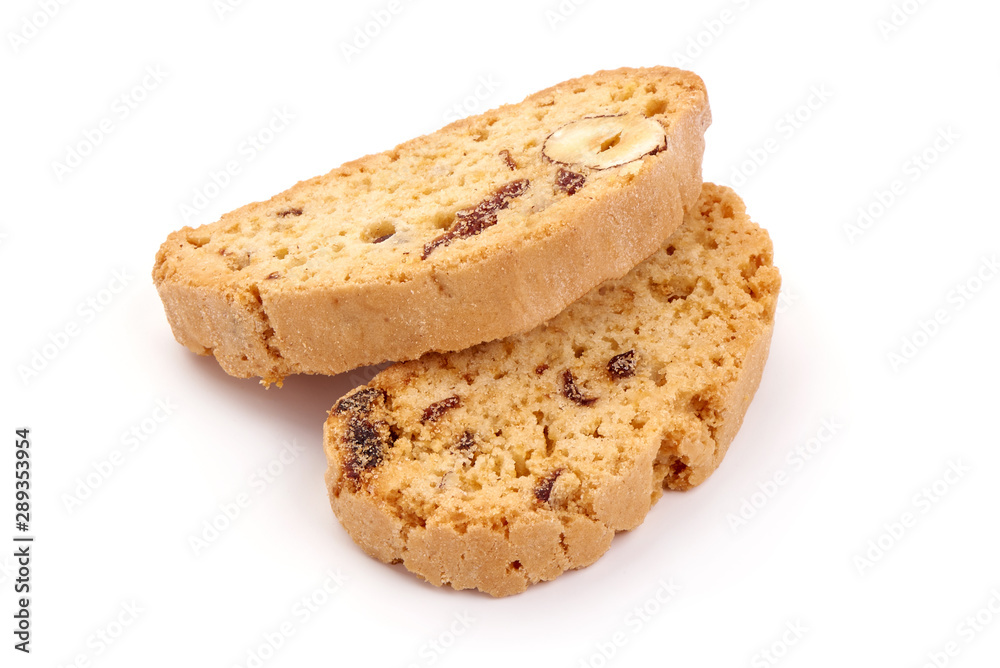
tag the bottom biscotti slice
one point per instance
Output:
(513, 461)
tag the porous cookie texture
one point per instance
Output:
(485, 228)
(513, 461)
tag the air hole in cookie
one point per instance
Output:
(655, 106)
(676, 473)
(670, 250)
(701, 408)
(577, 91)
(677, 288)
(578, 350)
(480, 134)
(675, 470)
(520, 468)
(651, 88)
(281, 253)
(243, 358)
(515, 565)
(750, 268)
(442, 220)
(550, 444)
(531, 143)
(378, 232)
(626, 94)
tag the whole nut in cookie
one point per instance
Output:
(602, 142)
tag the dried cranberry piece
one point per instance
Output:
(474, 220)
(439, 408)
(572, 392)
(569, 182)
(623, 365)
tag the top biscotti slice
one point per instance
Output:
(482, 229)
(513, 461)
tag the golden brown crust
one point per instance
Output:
(219, 302)
(481, 469)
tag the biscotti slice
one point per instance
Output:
(513, 461)
(485, 228)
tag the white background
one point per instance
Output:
(802, 559)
